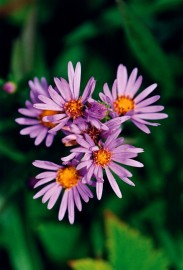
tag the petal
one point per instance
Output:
(27, 121)
(55, 96)
(43, 191)
(77, 199)
(54, 197)
(107, 91)
(49, 140)
(63, 205)
(131, 81)
(77, 79)
(41, 136)
(122, 78)
(152, 116)
(71, 206)
(113, 183)
(46, 165)
(135, 87)
(99, 190)
(145, 93)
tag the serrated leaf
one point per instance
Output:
(90, 264)
(147, 49)
(58, 240)
(130, 250)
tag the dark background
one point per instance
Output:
(38, 38)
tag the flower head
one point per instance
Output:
(37, 127)
(9, 87)
(103, 157)
(123, 100)
(67, 102)
(65, 179)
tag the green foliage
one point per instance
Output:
(17, 242)
(146, 49)
(129, 250)
(58, 240)
(89, 264)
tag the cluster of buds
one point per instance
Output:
(92, 128)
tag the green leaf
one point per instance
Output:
(129, 250)
(147, 50)
(89, 264)
(7, 149)
(15, 240)
(23, 49)
(59, 239)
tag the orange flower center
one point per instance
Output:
(123, 104)
(68, 177)
(47, 113)
(94, 133)
(74, 108)
(102, 157)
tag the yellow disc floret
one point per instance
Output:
(68, 177)
(74, 108)
(102, 157)
(47, 113)
(123, 104)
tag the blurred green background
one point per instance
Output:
(38, 38)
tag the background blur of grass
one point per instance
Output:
(38, 38)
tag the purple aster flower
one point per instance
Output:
(73, 131)
(68, 103)
(123, 101)
(62, 179)
(9, 87)
(105, 157)
(37, 127)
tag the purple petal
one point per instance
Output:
(71, 207)
(28, 130)
(119, 170)
(135, 87)
(99, 190)
(63, 206)
(145, 93)
(54, 197)
(149, 109)
(86, 190)
(77, 79)
(107, 91)
(88, 90)
(147, 101)
(49, 193)
(26, 121)
(41, 136)
(59, 126)
(153, 116)
(44, 181)
(142, 127)
(43, 191)
(26, 112)
(82, 194)
(131, 81)
(46, 174)
(51, 107)
(69, 157)
(77, 199)
(46, 165)
(114, 90)
(113, 183)
(49, 140)
(55, 96)
(71, 76)
(122, 77)
(63, 88)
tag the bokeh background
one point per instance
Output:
(38, 38)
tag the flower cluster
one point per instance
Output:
(93, 130)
